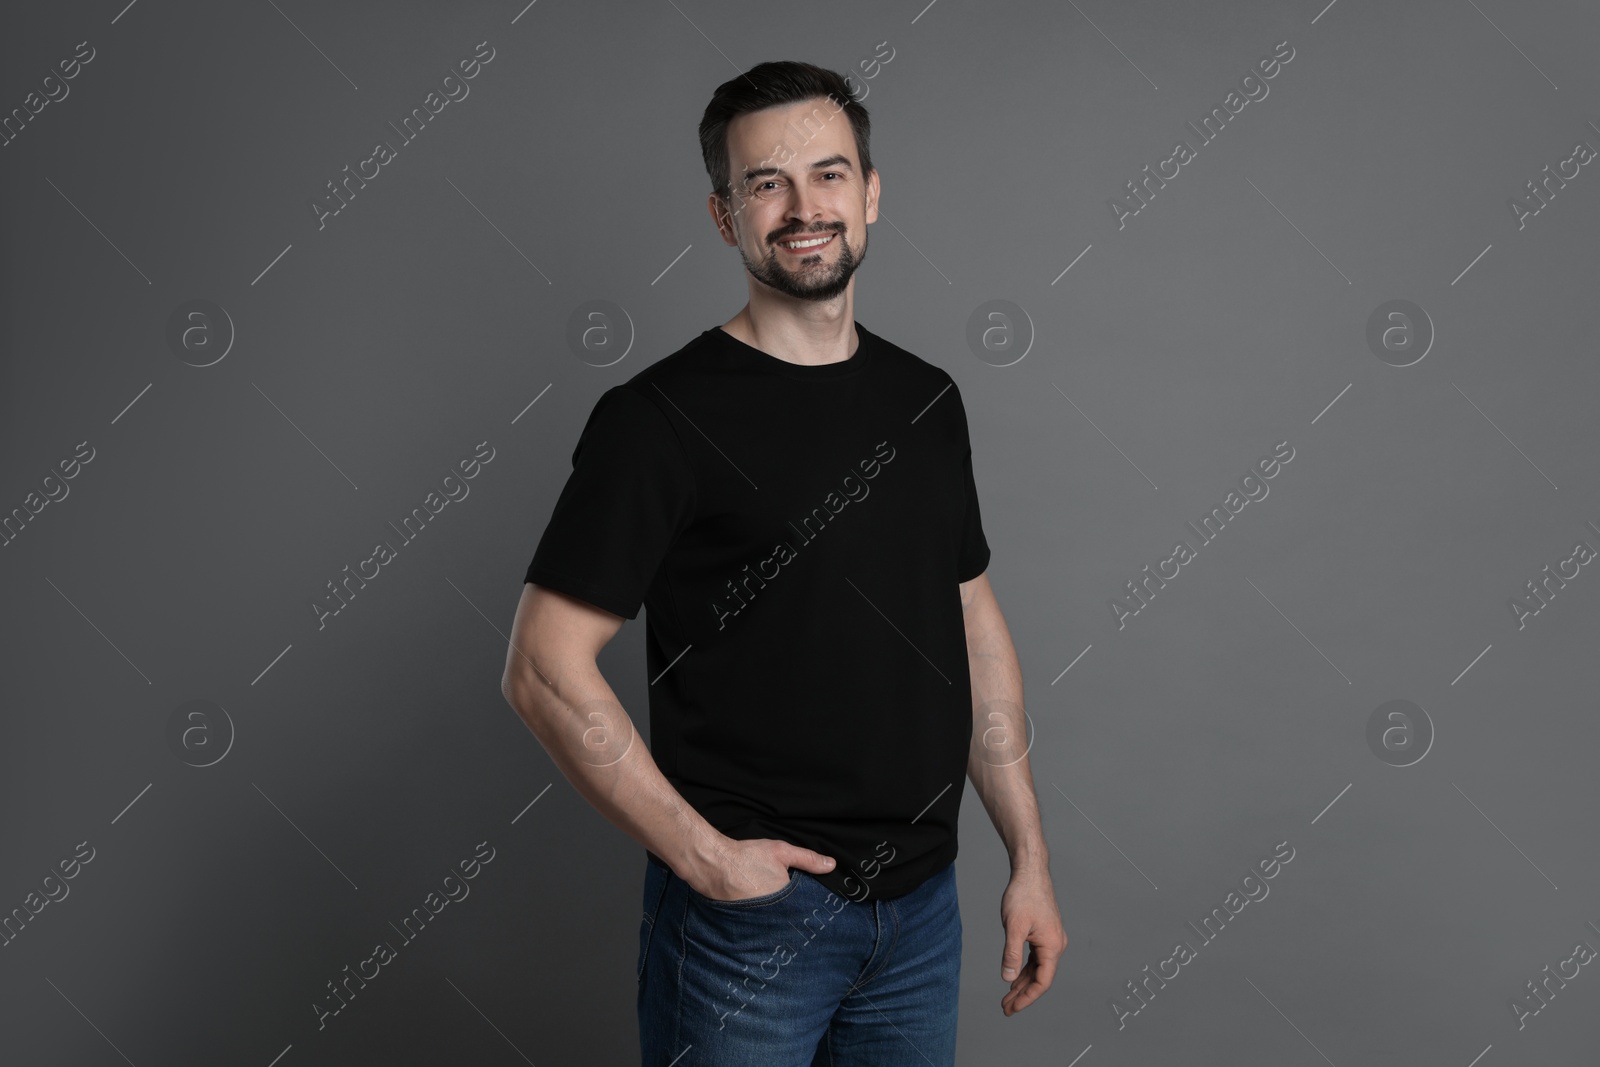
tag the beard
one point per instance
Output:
(807, 279)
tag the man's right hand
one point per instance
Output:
(753, 868)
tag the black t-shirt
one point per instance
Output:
(797, 534)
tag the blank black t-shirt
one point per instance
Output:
(797, 535)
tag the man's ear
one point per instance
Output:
(722, 217)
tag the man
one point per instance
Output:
(792, 499)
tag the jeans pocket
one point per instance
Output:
(751, 902)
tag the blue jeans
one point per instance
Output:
(798, 978)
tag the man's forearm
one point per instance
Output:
(998, 763)
(577, 718)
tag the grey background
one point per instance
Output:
(370, 756)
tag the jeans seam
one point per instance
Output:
(650, 919)
(894, 936)
(683, 955)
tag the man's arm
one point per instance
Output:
(998, 765)
(998, 768)
(554, 684)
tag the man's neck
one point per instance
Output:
(808, 341)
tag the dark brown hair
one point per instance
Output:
(769, 85)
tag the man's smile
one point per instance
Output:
(806, 244)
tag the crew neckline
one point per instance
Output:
(843, 368)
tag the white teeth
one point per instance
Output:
(807, 244)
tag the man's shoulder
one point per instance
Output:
(696, 357)
(902, 361)
(903, 367)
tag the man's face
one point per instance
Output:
(796, 177)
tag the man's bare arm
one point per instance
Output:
(998, 763)
(554, 684)
(998, 767)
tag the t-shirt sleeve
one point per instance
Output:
(973, 555)
(630, 491)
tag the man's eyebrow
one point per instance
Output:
(831, 163)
